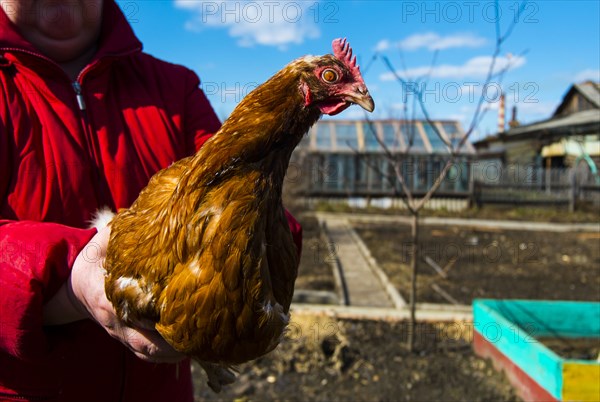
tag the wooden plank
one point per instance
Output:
(581, 381)
(336, 268)
(444, 294)
(435, 267)
(425, 313)
(550, 318)
(526, 387)
(364, 288)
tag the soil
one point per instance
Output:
(324, 359)
(489, 263)
(574, 348)
(314, 272)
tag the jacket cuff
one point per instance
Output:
(35, 260)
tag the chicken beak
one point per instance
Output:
(361, 97)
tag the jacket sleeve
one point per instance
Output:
(35, 260)
(201, 121)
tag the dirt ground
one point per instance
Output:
(574, 348)
(324, 359)
(314, 272)
(489, 263)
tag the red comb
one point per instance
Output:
(343, 51)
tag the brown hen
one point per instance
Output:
(205, 252)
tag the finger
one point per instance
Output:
(150, 346)
(147, 359)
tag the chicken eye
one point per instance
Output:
(329, 75)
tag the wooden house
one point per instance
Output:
(570, 136)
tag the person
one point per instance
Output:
(86, 118)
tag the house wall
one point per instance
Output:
(524, 152)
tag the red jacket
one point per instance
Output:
(61, 158)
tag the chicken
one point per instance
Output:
(205, 252)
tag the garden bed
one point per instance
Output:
(484, 263)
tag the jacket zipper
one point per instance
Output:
(75, 84)
(80, 101)
(90, 141)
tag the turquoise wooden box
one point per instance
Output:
(506, 331)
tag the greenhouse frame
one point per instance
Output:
(343, 158)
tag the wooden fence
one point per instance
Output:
(531, 185)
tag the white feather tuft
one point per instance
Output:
(101, 218)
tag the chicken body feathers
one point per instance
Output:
(200, 264)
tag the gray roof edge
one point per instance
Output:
(590, 92)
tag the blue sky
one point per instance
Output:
(236, 45)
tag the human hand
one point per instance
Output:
(83, 296)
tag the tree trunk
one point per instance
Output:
(413, 280)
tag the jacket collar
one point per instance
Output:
(116, 36)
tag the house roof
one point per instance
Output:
(577, 123)
(415, 136)
(588, 89)
(591, 92)
(584, 122)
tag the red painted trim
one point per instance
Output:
(525, 386)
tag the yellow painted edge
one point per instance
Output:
(581, 382)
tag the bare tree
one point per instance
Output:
(397, 159)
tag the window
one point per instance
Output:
(457, 178)
(370, 132)
(391, 136)
(412, 137)
(323, 136)
(437, 143)
(450, 129)
(346, 136)
(452, 132)
(338, 172)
